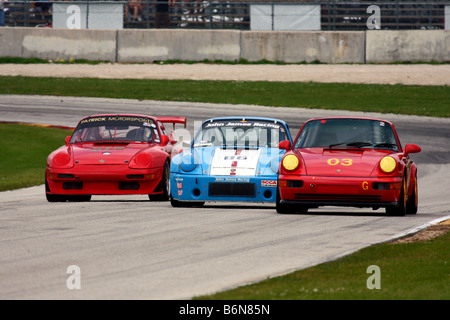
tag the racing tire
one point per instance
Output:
(399, 209)
(412, 204)
(52, 197)
(185, 204)
(165, 185)
(55, 197)
(284, 208)
(79, 198)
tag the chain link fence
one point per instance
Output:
(254, 15)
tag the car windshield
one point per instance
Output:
(232, 133)
(347, 133)
(116, 129)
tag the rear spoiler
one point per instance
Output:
(173, 120)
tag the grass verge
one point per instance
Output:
(24, 153)
(397, 99)
(408, 271)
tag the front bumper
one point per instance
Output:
(223, 188)
(103, 180)
(343, 191)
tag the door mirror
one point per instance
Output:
(68, 139)
(173, 140)
(411, 148)
(164, 140)
(285, 144)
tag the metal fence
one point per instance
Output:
(220, 14)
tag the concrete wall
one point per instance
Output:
(408, 45)
(303, 46)
(167, 44)
(287, 46)
(52, 44)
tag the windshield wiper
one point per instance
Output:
(385, 144)
(357, 144)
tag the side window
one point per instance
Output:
(162, 128)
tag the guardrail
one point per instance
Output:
(231, 14)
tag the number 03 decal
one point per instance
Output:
(343, 162)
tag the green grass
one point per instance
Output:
(24, 153)
(398, 99)
(411, 271)
(17, 60)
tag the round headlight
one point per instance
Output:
(61, 159)
(187, 162)
(290, 162)
(142, 159)
(388, 164)
(274, 164)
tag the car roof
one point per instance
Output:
(120, 115)
(248, 118)
(343, 118)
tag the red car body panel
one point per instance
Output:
(100, 167)
(347, 176)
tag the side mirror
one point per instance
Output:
(285, 144)
(164, 140)
(411, 148)
(173, 140)
(68, 139)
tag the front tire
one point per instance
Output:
(413, 203)
(55, 197)
(185, 204)
(284, 208)
(400, 209)
(52, 197)
(165, 185)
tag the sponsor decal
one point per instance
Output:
(243, 123)
(365, 185)
(268, 183)
(179, 185)
(232, 180)
(234, 162)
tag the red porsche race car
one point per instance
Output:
(112, 154)
(356, 162)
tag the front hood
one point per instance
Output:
(341, 162)
(239, 162)
(89, 153)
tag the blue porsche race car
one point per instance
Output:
(230, 159)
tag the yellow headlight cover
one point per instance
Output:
(290, 162)
(388, 164)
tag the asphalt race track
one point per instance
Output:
(129, 248)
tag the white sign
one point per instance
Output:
(88, 16)
(284, 17)
(447, 17)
